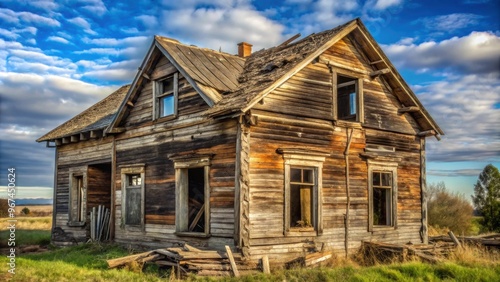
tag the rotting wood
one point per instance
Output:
(454, 239)
(377, 73)
(410, 109)
(112, 263)
(347, 188)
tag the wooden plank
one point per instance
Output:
(112, 263)
(265, 265)
(233, 263)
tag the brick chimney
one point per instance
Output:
(244, 49)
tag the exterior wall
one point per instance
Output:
(298, 114)
(77, 156)
(150, 142)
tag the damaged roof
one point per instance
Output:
(98, 116)
(231, 84)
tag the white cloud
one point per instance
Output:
(218, 27)
(8, 34)
(148, 21)
(58, 39)
(384, 4)
(26, 17)
(466, 108)
(135, 40)
(477, 52)
(451, 22)
(83, 23)
(95, 7)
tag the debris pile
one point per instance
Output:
(489, 241)
(99, 224)
(374, 252)
(188, 259)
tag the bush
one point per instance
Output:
(25, 211)
(449, 210)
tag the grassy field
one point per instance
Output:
(88, 263)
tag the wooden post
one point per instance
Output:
(233, 263)
(454, 239)
(265, 265)
(423, 193)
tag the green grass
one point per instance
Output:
(88, 263)
(26, 237)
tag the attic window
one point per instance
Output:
(349, 98)
(166, 91)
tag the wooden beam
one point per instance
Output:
(290, 40)
(117, 130)
(58, 142)
(410, 109)
(129, 103)
(426, 133)
(377, 73)
(233, 263)
(324, 60)
(75, 138)
(376, 62)
(65, 140)
(146, 76)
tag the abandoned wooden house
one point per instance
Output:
(315, 142)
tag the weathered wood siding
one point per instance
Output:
(78, 155)
(150, 143)
(299, 114)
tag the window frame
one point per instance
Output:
(160, 94)
(384, 167)
(125, 173)
(181, 166)
(357, 80)
(74, 175)
(294, 158)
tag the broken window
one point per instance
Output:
(78, 199)
(166, 96)
(303, 186)
(383, 196)
(349, 99)
(301, 197)
(133, 197)
(192, 212)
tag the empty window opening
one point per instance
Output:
(382, 198)
(196, 202)
(133, 201)
(301, 197)
(347, 98)
(78, 200)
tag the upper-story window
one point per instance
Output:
(349, 99)
(166, 96)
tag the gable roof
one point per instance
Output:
(97, 117)
(231, 85)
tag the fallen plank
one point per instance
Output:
(316, 258)
(265, 265)
(112, 263)
(233, 264)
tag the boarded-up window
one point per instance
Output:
(133, 197)
(383, 194)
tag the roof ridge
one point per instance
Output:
(175, 41)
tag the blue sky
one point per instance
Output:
(59, 57)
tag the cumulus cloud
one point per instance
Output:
(221, 27)
(83, 23)
(384, 4)
(478, 52)
(94, 7)
(467, 109)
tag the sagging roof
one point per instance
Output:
(231, 85)
(97, 117)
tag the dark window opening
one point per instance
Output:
(78, 202)
(196, 202)
(133, 199)
(301, 197)
(347, 106)
(382, 198)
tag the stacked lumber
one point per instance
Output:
(188, 259)
(490, 240)
(310, 260)
(99, 224)
(385, 252)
